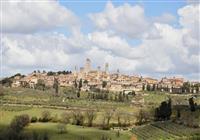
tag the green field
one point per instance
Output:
(16, 101)
(166, 130)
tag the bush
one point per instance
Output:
(142, 117)
(1, 90)
(55, 119)
(78, 118)
(45, 116)
(34, 119)
(65, 117)
(19, 122)
(91, 115)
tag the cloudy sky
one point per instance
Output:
(151, 38)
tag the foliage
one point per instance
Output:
(90, 115)
(192, 104)
(56, 86)
(164, 111)
(65, 117)
(40, 84)
(78, 117)
(1, 90)
(142, 117)
(34, 119)
(45, 116)
(106, 119)
(19, 122)
(6, 82)
(50, 73)
(104, 84)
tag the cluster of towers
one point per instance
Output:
(87, 67)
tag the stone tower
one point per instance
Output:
(87, 67)
(98, 71)
(106, 67)
(75, 71)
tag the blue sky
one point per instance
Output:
(152, 38)
(153, 8)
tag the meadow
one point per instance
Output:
(16, 101)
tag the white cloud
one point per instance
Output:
(125, 19)
(32, 16)
(164, 49)
(165, 18)
(114, 44)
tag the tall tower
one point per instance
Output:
(75, 71)
(87, 67)
(106, 67)
(99, 68)
(98, 71)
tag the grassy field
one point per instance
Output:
(166, 131)
(18, 101)
(77, 132)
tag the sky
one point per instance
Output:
(153, 38)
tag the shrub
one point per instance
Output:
(78, 118)
(142, 117)
(1, 90)
(34, 119)
(19, 122)
(55, 118)
(45, 116)
(91, 115)
(65, 117)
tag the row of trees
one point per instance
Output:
(187, 87)
(120, 97)
(51, 73)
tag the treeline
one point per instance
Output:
(9, 80)
(50, 73)
(187, 87)
(118, 97)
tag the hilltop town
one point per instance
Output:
(104, 80)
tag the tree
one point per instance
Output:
(143, 87)
(91, 115)
(1, 90)
(148, 87)
(164, 111)
(75, 84)
(80, 84)
(45, 116)
(56, 86)
(85, 81)
(104, 84)
(6, 82)
(40, 84)
(19, 122)
(79, 88)
(119, 116)
(78, 118)
(65, 117)
(120, 97)
(78, 94)
(186, 87)
(192, 104)
(107, 117)
(50, 73)
(141, 117)
(154, 87)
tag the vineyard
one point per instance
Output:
(166, 131)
